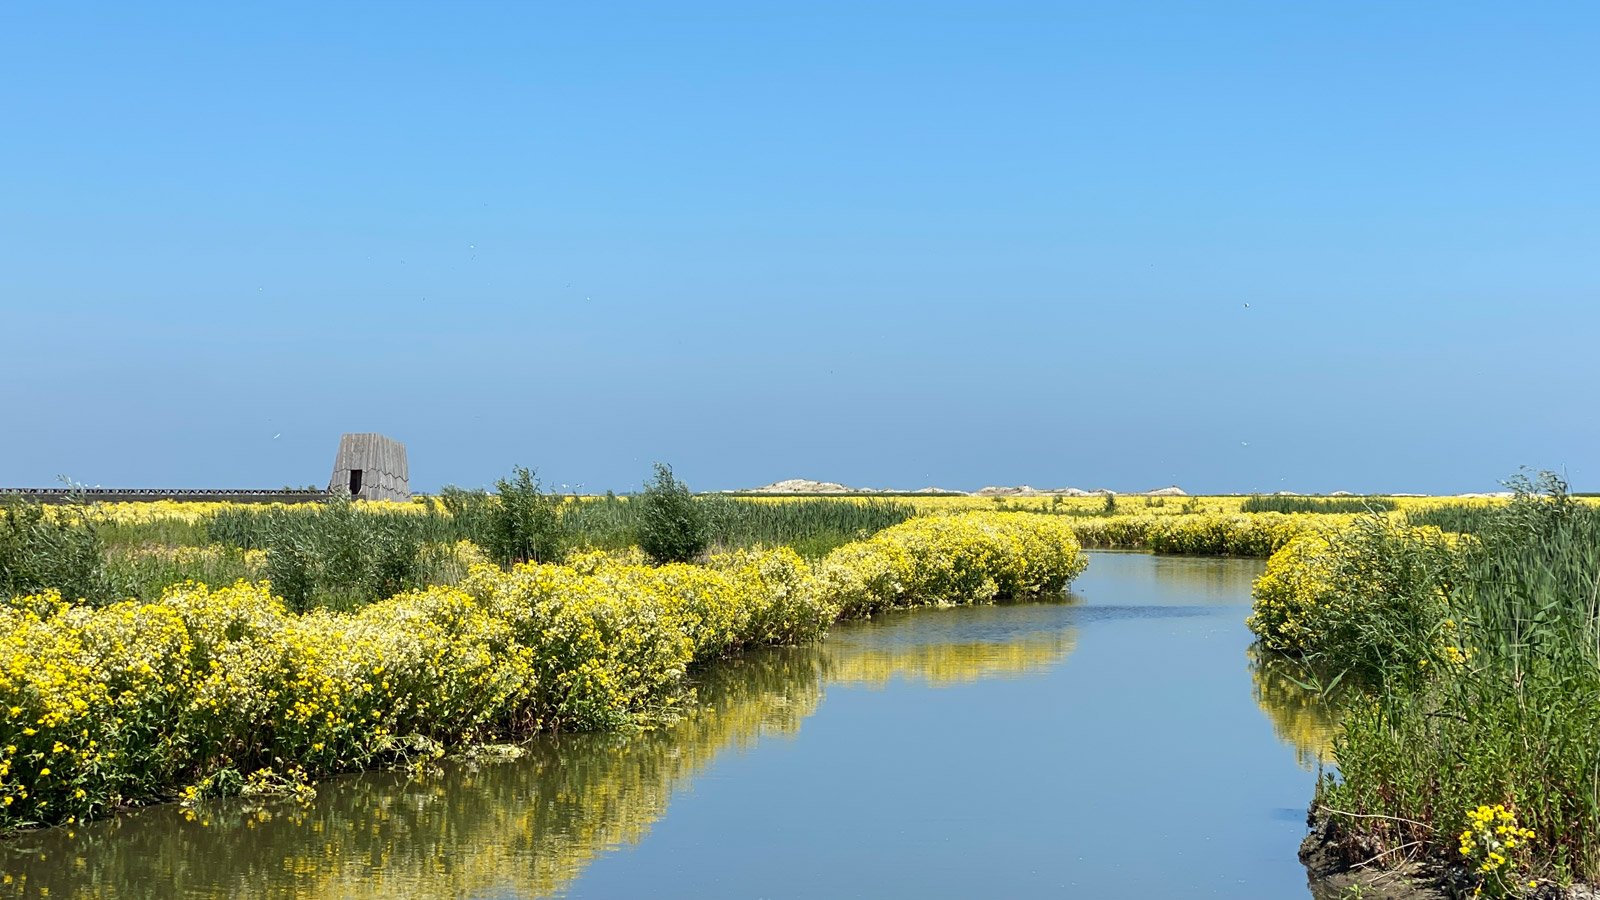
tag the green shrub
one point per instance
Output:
(1460, 518)
(1260, 503)
(672, 526)
(469, 510)
(342, 557)
(1371, 599)
(60, 549)
(524, 525)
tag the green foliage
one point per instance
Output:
(342, 557)
(812, 527)
(60, 549)
(144, 572)
(1197, 534)
(1459, 518)
(207, 691)
(1509, 717)
(1260, 503)
(254, 527)
(524, 525)
(470, 512)
(1371, 599)
(672, 526)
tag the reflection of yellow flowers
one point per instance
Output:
(941, 664)
(1300, 717)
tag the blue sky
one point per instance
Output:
(1231, 246)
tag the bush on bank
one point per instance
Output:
(227, 689)
(1369, 599)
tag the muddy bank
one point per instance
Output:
(1339, 867)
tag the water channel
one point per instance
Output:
(1121, 742)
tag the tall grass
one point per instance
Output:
(1461, 518)
(1260, 503)
(39, 551)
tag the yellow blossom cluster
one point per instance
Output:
(942, 560)
(1318, 574)
(1204, 534)
(1496, 845)
(220, 689)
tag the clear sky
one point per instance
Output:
(1231, 246)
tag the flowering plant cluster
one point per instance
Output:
(1496, 846)
(225, 689)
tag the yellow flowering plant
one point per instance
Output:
(220, 690)
(1497, 848)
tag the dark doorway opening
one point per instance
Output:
(355, 482)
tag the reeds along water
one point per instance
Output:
(1506, 715)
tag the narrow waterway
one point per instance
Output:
(1119, 743)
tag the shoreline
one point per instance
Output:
(1332, 876)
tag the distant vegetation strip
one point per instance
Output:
(1288, 504)
(343, 554)
(217, 691)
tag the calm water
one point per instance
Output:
(1119, 744)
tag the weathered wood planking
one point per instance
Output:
(385, 474)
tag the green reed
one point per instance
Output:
(1286, 504)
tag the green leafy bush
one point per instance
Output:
(342, 557)
(1371, 599)
(672, 526)
(57, 549)
(524, 526)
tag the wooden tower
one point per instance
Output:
(371, 467)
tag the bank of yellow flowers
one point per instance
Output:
(223, 689)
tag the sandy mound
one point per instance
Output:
(803, 486)
(995, 491)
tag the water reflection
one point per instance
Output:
(1302, 718)
(524, 828)
(1134, 578)
(951, 646)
